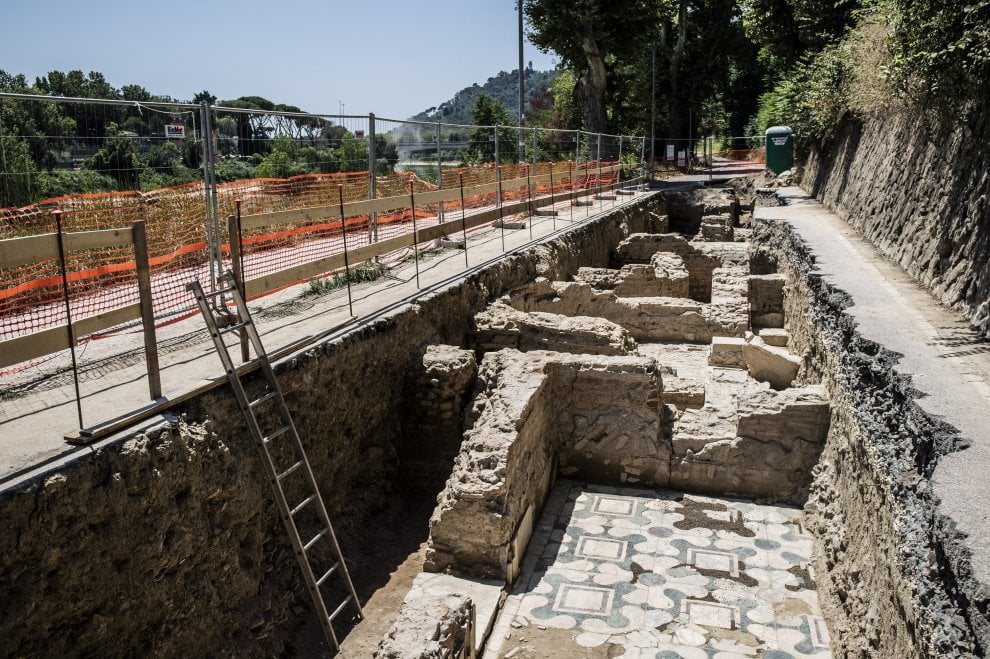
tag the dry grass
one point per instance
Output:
(870, 90)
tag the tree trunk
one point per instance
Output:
(675, 114)
(593, 83)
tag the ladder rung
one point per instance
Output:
(233, 328)
(302, 504)
(277, 433)
(223, 290)
(347, 600)
(326, 575)
(314, 539)
(290, 470)
(255, 403)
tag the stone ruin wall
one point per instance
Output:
(168, 540)
(884, 582)
(920, 192)
(563, 386)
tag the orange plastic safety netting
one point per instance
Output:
(31, 296)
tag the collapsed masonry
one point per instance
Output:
(670, 370)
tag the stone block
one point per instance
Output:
(785, 416)
(435, 614)
(509, 224)
(770, 364)
(658, 223)
(640, 247)
(727, 352)
(683, 393)
(501, 326)
(714, 232)
(730, 283)
(774, 336)
(599, 278)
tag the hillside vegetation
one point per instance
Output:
(503, 88)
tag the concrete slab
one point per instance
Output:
(948, 364)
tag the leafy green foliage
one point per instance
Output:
(116, 159)
(502, 87)
(812, 100)
(942, 49)
(488, 112)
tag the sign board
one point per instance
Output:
(779, 141)
(670, 152)
(175, 131)
(681, 158)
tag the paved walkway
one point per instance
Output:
(946, 361)
(623, 572)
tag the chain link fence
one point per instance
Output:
(86, 185)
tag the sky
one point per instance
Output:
(384, 56)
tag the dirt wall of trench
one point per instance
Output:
(919, 192)
(885, 584)
(168, 542)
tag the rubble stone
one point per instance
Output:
(601, 413)
(770, 364)
(501, 326)
(727, 352)
(437, 383)
(429, 627)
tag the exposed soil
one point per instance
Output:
(383, 564)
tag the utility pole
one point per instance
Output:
(522, 87)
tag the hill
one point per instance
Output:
(503, 87)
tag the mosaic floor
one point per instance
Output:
(638, 573)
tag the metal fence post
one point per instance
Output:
(237, 267)
(347, 264)
(412, 206)
(498, 173)
(210, 194)
(372, 177)
(598, 154)
(439, 175)
(536, 162)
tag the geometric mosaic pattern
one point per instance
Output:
(666, 575)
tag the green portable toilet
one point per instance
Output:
(780, 148)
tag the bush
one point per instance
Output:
(233, 169)
(811, 99)
(942, 50)
(80, 181)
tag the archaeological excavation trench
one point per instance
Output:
(657, 431)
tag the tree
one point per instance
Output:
(204, 97)
(587, 34)
(481, 146)
(116, 159)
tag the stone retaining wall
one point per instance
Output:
(921, 194)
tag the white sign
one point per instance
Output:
(779, 141)
(681, 158)
(175, 131)
(670, 152)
